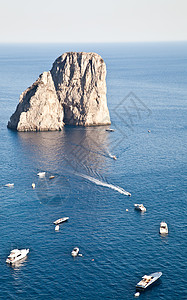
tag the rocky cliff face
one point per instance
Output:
(73, 92)
(39, 108)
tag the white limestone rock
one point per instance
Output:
(80, 83)
(39, 108)
(73, 92)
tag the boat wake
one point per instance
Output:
(111, 186)
(111, 156)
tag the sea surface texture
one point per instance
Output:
(146, 91)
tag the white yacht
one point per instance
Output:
(9, 184)
(163, 228)
(41, 174)
(110, 130)
(16, 255)
(75, 251)
(61, 220)
(147, 280)
(140, 207)
(57, 228)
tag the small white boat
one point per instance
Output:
(140, 207)
(147, 280)
(51, 177)
(114, 157)
(61, 220)
(149, 131)
(137, 294)
(16, 255)
(110, 130)
(9, 184)
(33, 185)
(41, 174)
(57, 227)
(75, 251)
(163, 228)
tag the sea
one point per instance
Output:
(146, 95)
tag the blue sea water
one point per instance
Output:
(146, 90)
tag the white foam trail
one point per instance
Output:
(109, 154)
(111, 186)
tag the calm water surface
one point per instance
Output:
(146, 90)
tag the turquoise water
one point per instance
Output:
(146, 90)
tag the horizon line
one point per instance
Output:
(109, 42)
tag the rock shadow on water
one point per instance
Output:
(72, 148)
(86, 148)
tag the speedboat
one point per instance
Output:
(9, 184)
(110, 130)
(140, 207)
(137, 294)
(41, 174)
(147, 280)
(51, 177)
(57, 227)
(163, 228)
(75, 251)
(61, 220)
(114, 157)
(16, 255)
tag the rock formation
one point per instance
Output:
(39, 108)
(73, 92)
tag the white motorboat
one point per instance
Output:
(41, 174)
(9, 184)
(147, 280)
(57, 227)
(110, 130)
(19, 263)
(16, 255)
(61, 220)
(140, 207)
(75, 251)
(137, 294)
(163, 228)
(114, 157)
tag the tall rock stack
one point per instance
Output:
(73, 92)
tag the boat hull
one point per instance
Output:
(20, 257)
(110, 130)
(155, 276)
(163, 232)
(75, 252)
(139, 207)
(62, 220)
(163, 228)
